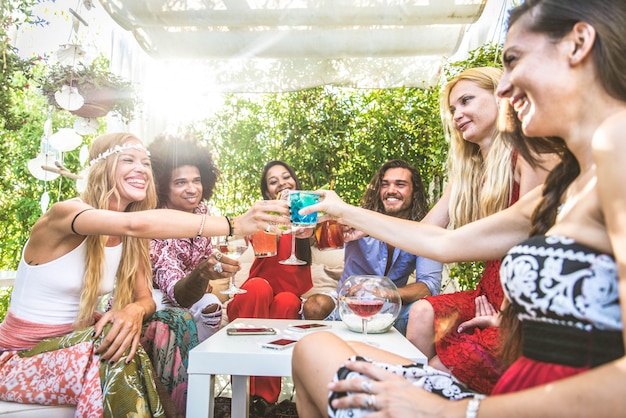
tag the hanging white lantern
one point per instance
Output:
(83, 155)
(81, 183)
(34, 166)
(86, 126)
(65, 139)
(69, 98)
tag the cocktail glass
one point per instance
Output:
(297, 200)
(232, 247)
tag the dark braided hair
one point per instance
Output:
(556, 18)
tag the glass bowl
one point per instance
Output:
(377, 286)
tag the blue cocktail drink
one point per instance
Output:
(299, 200)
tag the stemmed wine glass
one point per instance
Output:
(365, 297)
(293, 260)
(232, 247)
(365, 306)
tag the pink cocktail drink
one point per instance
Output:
(365, 308)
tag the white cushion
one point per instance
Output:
(20, 410)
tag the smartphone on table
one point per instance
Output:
(279, 344)
(308, 327)
(250, 331)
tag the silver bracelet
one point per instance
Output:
(472, 406)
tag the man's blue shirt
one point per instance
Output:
(368, 255)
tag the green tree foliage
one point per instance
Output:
(21, 192)
(333, 137)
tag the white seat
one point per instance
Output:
(20, 410)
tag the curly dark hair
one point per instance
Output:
(419, 204)
(169, 152)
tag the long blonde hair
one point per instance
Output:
(478, 187)
(135, 251)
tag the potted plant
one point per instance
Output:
(101, 90)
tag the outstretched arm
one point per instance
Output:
(157, 223)
(503, 229)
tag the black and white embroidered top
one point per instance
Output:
(553, 279)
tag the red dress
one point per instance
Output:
(472, 355)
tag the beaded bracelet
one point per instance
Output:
(472, 406)
(231, 226)
(201, 226)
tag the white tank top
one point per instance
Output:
(50, 293)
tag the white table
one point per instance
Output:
(242, 357)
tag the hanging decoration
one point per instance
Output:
(83, 155)
(35, 166)
(69, 98)
(65, 139)
(69, 54)
(88, 90)
(86, 126)
(44, 201)
(81, 183)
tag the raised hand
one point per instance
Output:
(486, 316)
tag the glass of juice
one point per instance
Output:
(264, 244)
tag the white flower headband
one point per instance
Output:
(117, 149)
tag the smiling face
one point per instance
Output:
(396, 192)
(132, 176)
(536, 79)
(474, 112)
(185, 188)
(278, 178)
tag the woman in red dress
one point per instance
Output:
(274, 289)
(485, 176)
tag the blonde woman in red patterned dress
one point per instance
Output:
(485, 176)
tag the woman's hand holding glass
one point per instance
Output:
(298, 199)
(262, 214)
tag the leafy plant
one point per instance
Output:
(5, 298)
(467, 274)
(93, 81)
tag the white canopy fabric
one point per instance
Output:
(182, 55)
(286, 45)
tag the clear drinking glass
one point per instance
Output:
(297, 200)
(232, 247)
